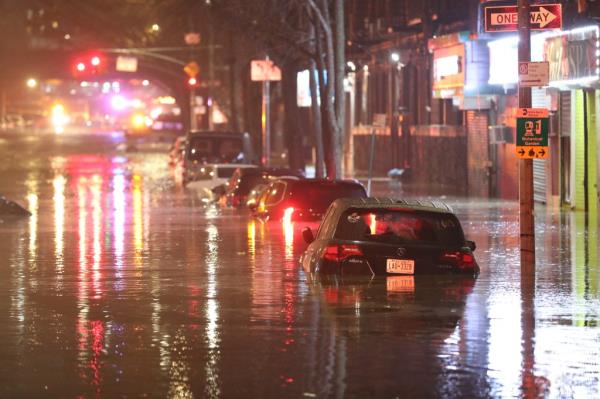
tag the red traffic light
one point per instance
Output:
(87, 65)
(193, 82)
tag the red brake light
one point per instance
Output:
(338, 253)
(462, 260)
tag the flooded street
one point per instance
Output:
(121, 284)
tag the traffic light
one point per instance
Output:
(192, 82)
(89, 65)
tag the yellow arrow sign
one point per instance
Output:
(528, 152)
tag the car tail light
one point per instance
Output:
(338, 253)
(462, 260)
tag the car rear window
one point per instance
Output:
(248, 182)
(320, 195)
(205, 173)
(215, 149)
(225, 172)
(400, 226)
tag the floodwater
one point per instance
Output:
(121, 284)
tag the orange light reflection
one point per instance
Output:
(138, 218)
(59, 220)
(97, 211)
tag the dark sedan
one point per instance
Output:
(243, 181)
(383, 236)
(306, 199)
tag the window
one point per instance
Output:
(276, 193)
(400, 226)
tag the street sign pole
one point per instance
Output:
(526, 206)
(193, 122)
(266, 121)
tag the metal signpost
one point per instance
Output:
(532, 124)
(192, 69)
(265, 71)
(526, 206)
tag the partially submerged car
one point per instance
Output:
(305, 199)
(10, 209)
(210, 147)
(384, 236)
(206, 178)
(243, 181)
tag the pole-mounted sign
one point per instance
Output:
(541, 17)
(532, 133)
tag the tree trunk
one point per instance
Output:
(293, 138)
(334, 164)
(317, 121)
(326, 127)
(340, 95)
(235, 116)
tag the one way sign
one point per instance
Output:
(505, 18)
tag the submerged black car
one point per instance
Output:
(384, 236)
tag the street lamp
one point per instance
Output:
(32, 83)
(395, 57)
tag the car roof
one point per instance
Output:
(387, 202)
(233, 165)
(213, 133)
(319, 181)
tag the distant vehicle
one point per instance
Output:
(210, 176)
(169, 122)
(243, 181)
(384, 236)
(306, 199)
(209, 147)
(220, 147)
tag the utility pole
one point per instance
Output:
(266, 121)
(211, 77)
(526, 206)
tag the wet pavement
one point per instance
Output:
(121, 284)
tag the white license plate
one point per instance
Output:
(401, 284)
(400, 266)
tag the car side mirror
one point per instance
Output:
(307, 234)
(471, 245)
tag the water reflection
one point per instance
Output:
(213, 388)
(59, 223)
(33, 205)
(97, 233)
(138, 219)
(119, 210)
(360, 308)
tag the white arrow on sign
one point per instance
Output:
(542, 17)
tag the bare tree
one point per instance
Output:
(331, 66)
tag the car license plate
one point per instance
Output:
(400, 266)
(401, 284)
